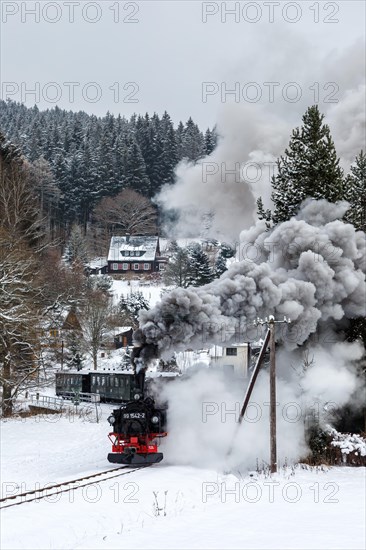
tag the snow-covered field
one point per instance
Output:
(167, 505)
(151, 292)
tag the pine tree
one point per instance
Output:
(309, 168)
(75, 355)
(133, 303)
(220, 265)
(193, 141)
(200, 272)
(355, 193)
(210, 141)
(136, 176)
(264, 214)
(227, 251)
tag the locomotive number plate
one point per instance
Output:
(134, 415)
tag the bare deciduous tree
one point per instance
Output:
(19, 347)
(128, 212)
(95, 321)
(19, 294)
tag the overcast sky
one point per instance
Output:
(167, 50)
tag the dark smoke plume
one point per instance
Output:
(310, 268)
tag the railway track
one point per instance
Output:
(65, 486)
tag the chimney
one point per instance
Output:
(127, 238)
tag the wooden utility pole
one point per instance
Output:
(272, 395)
(271, 322)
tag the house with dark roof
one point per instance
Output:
(138, 255)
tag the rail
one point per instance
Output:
(71, 485)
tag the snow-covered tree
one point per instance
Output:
(227, 251)
(19, 266)
(200, 272)
(100, 282)
(19, 318)
(355, 193)
(133, 303)
(220, 265)
(309, 168)
(264, 214)
(75, 359)
(76, 249)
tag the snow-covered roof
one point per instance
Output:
(121, 330)
(96, 263)
(142, 249)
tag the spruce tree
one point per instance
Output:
(264, 214)
(136, 176)
(309, 168)
(200, 272)
(193, 141)
(355, 193)
(220, 265)
(133, 303)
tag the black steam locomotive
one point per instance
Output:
(138, 424)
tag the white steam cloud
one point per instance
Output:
(202, 425)
(253, 136)
(203, 410)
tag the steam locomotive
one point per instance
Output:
(138, 425)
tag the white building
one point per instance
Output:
(233, 358)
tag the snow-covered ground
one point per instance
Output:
(167, 505)
(151, 292)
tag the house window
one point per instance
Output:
(136, 267)
(54, 333)
(146, 267)
(161, 267)
(115, 267)
(125, 267)
(231, 351)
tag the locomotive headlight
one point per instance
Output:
(137, 396)
(111, 419)
(154, 419)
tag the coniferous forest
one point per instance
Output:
(81, 158)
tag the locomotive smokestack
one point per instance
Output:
(141, 356)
